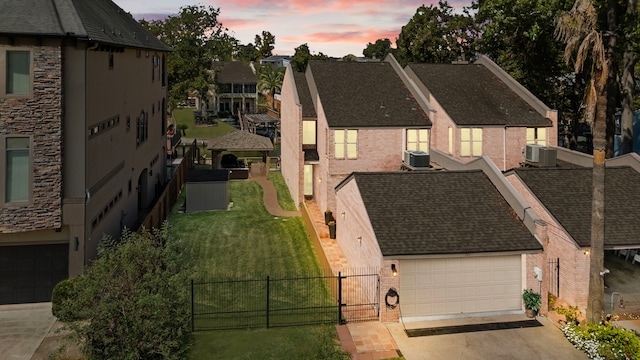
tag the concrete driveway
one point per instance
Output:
(22, 329)
(542, 342)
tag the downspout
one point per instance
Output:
(504, 150)
(86, 106)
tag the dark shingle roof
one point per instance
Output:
(359, 94)
(441, 212)
(473, 96)
(308, 110)
(240, 141)
(567, 194)
(235, 72)
(92, 20)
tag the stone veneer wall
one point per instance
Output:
(40, 116)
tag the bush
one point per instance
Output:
(135, 298)
(531, 300)
(604, 341)
(63, 299)
(570, 315)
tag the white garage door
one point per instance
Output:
(452, 286)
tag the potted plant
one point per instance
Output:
(532, 302)
(332, 229)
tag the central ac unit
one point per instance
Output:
(417, 158)
(548, 156)
(533, 152)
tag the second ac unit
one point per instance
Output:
(533, 152)
(548, 156)
(417, 158)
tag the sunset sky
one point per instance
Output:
(333, 27)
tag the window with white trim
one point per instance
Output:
(418, 139)
(537, 136)
(346, 144)
(471, 142)
(450, 140)
(18, 169)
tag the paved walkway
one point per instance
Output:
(365, 341)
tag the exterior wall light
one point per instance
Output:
(394, 270)
(587, 252)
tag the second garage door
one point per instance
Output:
(453, 286)
(29, 273)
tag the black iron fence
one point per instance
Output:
(265, 302)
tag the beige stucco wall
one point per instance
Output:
(291, 158)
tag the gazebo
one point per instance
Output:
(239, 141)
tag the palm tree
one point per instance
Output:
(579, 30)
(270, 81)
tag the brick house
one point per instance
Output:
(482, 111)
(461, 242)
(561, 196)
(340, 117)
(82, 136)
(235, 88)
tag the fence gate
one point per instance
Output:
(554, 277)
(359, 297)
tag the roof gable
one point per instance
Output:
(359, 94)
(441, 212)
(96, 20)
(567, 195)
(473, 96)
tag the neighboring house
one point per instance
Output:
(482, 111)
(562, 197)
(277, 60)
(235, 88)
(461, 242)
(340, 117)
(82, 135)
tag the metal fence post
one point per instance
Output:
(193, 317)
(340, 320)
(268, 296)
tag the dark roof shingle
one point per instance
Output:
(441, 212)
(360, 94)
(308, 110)
(235, 72)
(96, 20)
(473, 96)
(567, 194)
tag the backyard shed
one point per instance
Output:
(207, 190)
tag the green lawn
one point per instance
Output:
(284, 199)
(248, 240)
(185, 116)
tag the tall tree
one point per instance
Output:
(197, 38)
(264, 45)
(378, 50)
(630, 58)
(519, 35)
(302, 56)
(591, 42)
(436, 35)
(270, 81)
